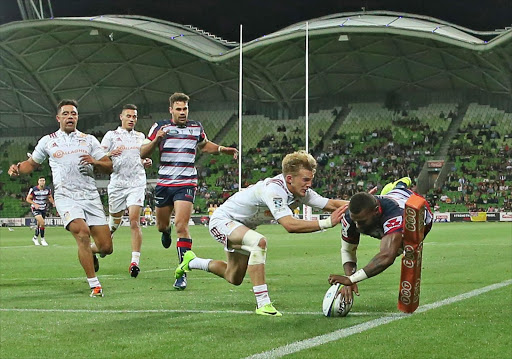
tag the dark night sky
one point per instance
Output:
(223, 17)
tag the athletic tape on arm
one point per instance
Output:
(348, 252)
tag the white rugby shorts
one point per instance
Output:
(121, 198)
(90, 210)
(220, 229)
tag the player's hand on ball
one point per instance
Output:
(346, 292)
(336, 278)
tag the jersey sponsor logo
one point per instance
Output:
(60, 153)
(278, 202)
(393, 223)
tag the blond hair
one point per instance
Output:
(294, 162)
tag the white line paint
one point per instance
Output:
(158, 311)
(356, 329)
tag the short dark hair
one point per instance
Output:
(178, 96)
(43, 177)
(66, 102)
(129, 106)
(361, 201)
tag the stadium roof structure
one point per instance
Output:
(106, 61)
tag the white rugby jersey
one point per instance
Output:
(178, 152)
(128, 168)
(63, 152)
(267, 199)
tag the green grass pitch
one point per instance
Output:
(46, 311)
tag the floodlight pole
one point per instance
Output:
(240, 115)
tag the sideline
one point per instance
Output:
(356, 329)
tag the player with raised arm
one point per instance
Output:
(127, 185)
(233, 224)
(73, 155)
(38, 197)
(380, 217)
(177, 140)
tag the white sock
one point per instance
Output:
(199, 263)
(93, 282)
(261, 293)
(136, 257)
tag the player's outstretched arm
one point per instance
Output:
(295, 225)
(24, 167)
(389, 247)
(333, 204)
(210, 147)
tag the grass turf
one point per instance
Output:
(45, 310)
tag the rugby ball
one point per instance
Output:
(333, 306)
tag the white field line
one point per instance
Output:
(160, 311)
(356, 329)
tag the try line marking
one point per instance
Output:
(356, 329)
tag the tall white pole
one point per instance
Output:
(306, 210)
(240, 115)
(307, 87)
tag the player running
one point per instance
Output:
(233, 224)
(38, 197)
(72, 156)
(380, 217)
(177, 140)
(127, 185)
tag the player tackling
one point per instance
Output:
(233, 225)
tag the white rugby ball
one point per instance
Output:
(335, 306)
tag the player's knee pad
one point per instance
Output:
(250, 243)
(114, 222)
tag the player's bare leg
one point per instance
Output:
(82, 234)
(233, 270)
(102, 240)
